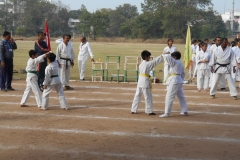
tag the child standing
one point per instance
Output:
(175, 83)
(144, 85)
(168, 50)
(51, 81)
(203, 73)
(32, 78)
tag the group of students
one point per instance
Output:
(216, 63)
(211, 64)
(56, 74)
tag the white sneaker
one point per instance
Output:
(164, 115)
(184, 113)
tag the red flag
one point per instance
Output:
(47, 36)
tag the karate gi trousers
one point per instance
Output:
(59, 89)
(216, 78)
(32, 84)
(64, 74)
(175, 90)
(82, 68)
(148, 100)
(203, 79)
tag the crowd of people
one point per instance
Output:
(211, 64)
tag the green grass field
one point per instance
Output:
(100, 50)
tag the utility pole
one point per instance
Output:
(233, 18)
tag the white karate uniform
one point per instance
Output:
(175, 85)
(84, 50)
(143, 85)
(65, 51)
(166, 65)
(222, 79)
(236, 76)
(223, 57)
(192, 70)
(32, 81)
(203, 73)
(51, 83)
(195, 66)
(208, 47)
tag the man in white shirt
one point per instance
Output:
(65, 58)
(221, 61)
(85, 49)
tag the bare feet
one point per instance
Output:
(199, 90)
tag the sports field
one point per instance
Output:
(100, 126)
(100, 50)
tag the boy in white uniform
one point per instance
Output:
(236, 50)
(203, 73)
(32, 78)
(144, 85)
(175, 84)
(65, 58)
(168, 50)
(52, 81)
(221, 61)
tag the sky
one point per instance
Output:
(93, 5)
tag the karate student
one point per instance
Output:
(168, 50)
(192, 68)
(52, 81)
(220, 63)
(236, 50)
(222, 80)
(208, 45)
(203, 73)
(144, 84)
(65, 58)
(175, 84)
(84, 50)
(32, 78)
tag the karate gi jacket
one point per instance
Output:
(32, 65)
(145, 68)
(51, 70)
(66, 52)
(176, 72)
(168, 49)
(223, 57)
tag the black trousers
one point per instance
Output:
(43, 66)
(6, 74)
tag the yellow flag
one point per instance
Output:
(188, 50)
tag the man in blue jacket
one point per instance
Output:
(41, 48)
(6, 58)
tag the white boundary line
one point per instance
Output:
(125, 88)
(123, 134)
(77, 152)
(122, 119)
(130, 101)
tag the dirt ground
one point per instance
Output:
(100, 126)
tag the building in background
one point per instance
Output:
(227, 16)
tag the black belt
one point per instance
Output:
(66, 59)
(54, 76)
(220, 65)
